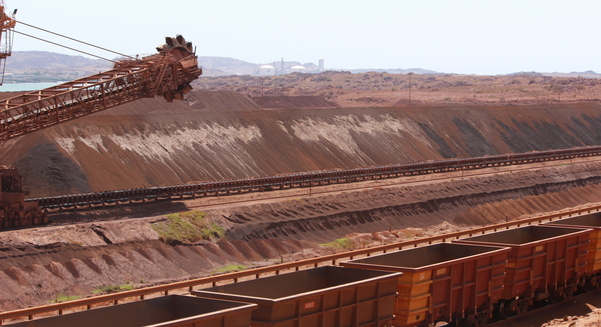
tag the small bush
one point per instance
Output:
(341, 243)
(188, 227)
(64, 298)
(231, 268)
(114, 288)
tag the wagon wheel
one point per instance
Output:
(472, 320)
(508, 309)
(590, 285)
(483, 318)
(593, 284)
(523, 306)
(570, 292)
(558, 296)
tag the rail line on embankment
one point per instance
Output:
(90, 201)
(333, 259)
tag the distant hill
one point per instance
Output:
(586, 74)
(396, 71)
(42, 66)
(53, 63)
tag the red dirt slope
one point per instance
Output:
(293, 102)
(150, 142)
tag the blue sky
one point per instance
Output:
(453, 36)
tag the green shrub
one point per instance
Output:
(63, 298)
(114, 288)
(341, 243)
(231, 268)
(188, 227)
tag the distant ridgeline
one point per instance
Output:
(50, 67)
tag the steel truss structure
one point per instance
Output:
(166, 74)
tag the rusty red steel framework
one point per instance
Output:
(7, 25)
(167, 73)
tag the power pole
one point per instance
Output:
(410, 74)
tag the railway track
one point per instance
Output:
(90, 201)
(284, 267)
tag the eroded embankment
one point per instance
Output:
(43, 273)
(45, 264)
(416, 205)
(220, 135)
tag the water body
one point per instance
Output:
(16, 87)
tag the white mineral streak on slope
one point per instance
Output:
(92, 140)
(339, 132)
(164, 145)
(282, 126)
(66, 143)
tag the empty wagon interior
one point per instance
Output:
(591, 220)
(305, 281)
(522, 235)
(157, 312)
(426, 256)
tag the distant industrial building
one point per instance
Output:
(298, 69)
(282, 68)
(266, 70)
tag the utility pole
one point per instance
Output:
(410, 74)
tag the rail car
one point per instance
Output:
(299, 180)
(442, 282)
(593, 260)
(545, 263)
(167, 311)
(324, 296)
(501, 274)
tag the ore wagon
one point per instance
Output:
(593, 260)
(319, 297)
(166, 311)
(544, 263)
(443, 282)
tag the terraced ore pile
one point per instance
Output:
(220, 135)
